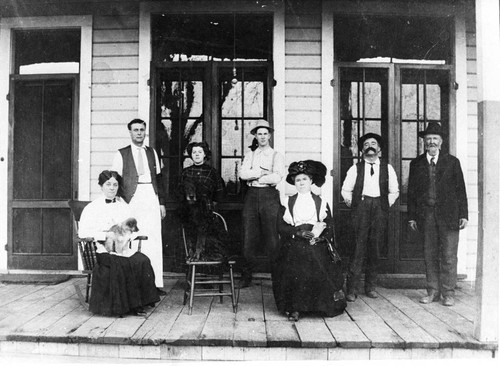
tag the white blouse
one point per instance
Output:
(304, 211)
(98, 216)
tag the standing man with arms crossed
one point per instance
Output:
(139, 166)
(370, 188)
(437, 207)
(263, 168)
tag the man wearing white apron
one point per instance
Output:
(142, 190)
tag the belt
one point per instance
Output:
(260, 187)
(363, 197)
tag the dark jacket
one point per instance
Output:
(130, 174)
(451, 197)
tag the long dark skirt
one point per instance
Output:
(306, 280)
(121, 284)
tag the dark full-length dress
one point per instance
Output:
(304, 277)
(120, 284)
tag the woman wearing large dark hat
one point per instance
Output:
(307, 277)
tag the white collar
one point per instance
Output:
(429, 157)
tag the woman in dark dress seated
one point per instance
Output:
(202, 187)
(307, 276)
(122, 281)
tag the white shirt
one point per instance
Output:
(263, 159)
(98, 216)
(304, 211)
(371, 185)
(136, 150)
(429, 157)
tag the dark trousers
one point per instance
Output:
(260, 214)
(440, 254)
(369, 221)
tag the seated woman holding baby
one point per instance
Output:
(123, 281)
(307, 275)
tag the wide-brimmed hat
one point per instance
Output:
(315, 169)
(261, 123)
(367, 136)
(433, 128)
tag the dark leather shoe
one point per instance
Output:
(431, 297)
(139, 312)
(448, 301)
(294, 317)
(371, 294)
(350, 297)
(160, 291)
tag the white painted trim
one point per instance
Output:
(327, 102)
(221, 6)
(388, 8)
(6, 26)
(461, 126)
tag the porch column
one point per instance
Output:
(488, 76)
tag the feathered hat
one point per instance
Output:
(315, 169)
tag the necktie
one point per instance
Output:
(140, 162)
(432, 162)
(110, 201)
(371, 169)
(432, 183)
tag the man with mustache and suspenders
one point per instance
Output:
(370, 188)
(437, 207)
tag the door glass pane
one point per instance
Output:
(180, 103)
(363, 109)
(47, 51)
(426, 92)
(240, 111)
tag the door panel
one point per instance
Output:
(42, 174)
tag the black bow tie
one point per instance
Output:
(110, 201)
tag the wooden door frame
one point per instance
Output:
(75, 150)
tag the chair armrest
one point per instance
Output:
(141, 237)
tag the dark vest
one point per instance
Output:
(383, 184)
(130, 176)
(293, 199)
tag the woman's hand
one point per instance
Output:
(305, 234)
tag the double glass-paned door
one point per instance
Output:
(396, 102)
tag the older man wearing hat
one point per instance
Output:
(370, 188)
(263, 168)
(437, 207)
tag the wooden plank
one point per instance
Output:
(303, 34)
(114, 104)
(17, 292)
(441, 331)
(303, 62)
(304, 75)
(302, 89)
(250, 305)
(314, 333)
(465, 305)
(115, 76)
(187, 328)
(373, 326)
(219, 327)
(295, 131)
(115, 35)
(92, 330)
(250, 333)
(36, 327)
(115, 90)
(115, 49)
(281, 333)
(303, 103)
(294, 20)
(347, 333)
(462, 326)
(270, 310)
(157, 326)
(61, 330)
(303, 48)
(116, 22)
(115, 63)
(407, 329)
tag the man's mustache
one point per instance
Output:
(367, 150)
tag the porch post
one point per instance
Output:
(488, 76)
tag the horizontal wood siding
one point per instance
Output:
(303, 81)
(115, 66)
(472, 143)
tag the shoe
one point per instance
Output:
(448, 301)
(432, 297)
(294, 317)
(139, 312)
(371, 294)
(160, 291)
(350, 297)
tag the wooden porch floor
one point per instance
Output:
(41, 319)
